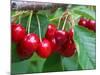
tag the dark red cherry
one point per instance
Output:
(50, 31)
(61, 37)
(30, 42)
(68, 49)
(44, 49)
(54, 45)
(71, 33)
(23, 53)
(28, 45)
(91, 25)
(82, 22)
(17, 32)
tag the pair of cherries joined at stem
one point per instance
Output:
(90, 24)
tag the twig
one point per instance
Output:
(33, 5)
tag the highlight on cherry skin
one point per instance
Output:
(44, 50)
(17, 32)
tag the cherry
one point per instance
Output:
(31, 42)
(91, 25)
(17, 32)
(44, 49)
(82, 22)
(71, 33)
(23, 53)
(61, 37)
(28, 45)
(68, 49)
(50, 31)
(54, 45)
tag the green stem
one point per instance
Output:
(19, 19)
(64, 22)
(19, 13)
(72, 21)
(29, 21)
(39, 28)
(59, 22)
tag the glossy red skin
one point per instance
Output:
(18, 32)
(83, 22)
(31, 42)
(68, 49)
(23, 53)
(44, 49)
(28, 46)
(61, 37)
(91, 25)
(50, 31)
(54, 45)
(71, 33)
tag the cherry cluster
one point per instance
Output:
(55, 40)
(61, 40)
(90, 24)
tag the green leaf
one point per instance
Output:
(53, 63)
(85, 12)
(31, 65)
(56, 14)
(36, 64)
(20, 67)
(86, 46)
(44, 23)
(14, 56)
(34, 25)
(71, 63)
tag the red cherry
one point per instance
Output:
(82, 22)
(31, 42)
(71, 33)
(50, 31)
(44, 49)
(28, 46)
(54, 45)
(68, 49)
(91, 25)
(17, 32)
(61, 37)
(23, 53)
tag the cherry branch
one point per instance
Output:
(33, 5)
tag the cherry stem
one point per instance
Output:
(29, 21)
(72, 21)
(64, 22)
(59, 22)
(19, 19)
(19, 13)
(38, 21)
